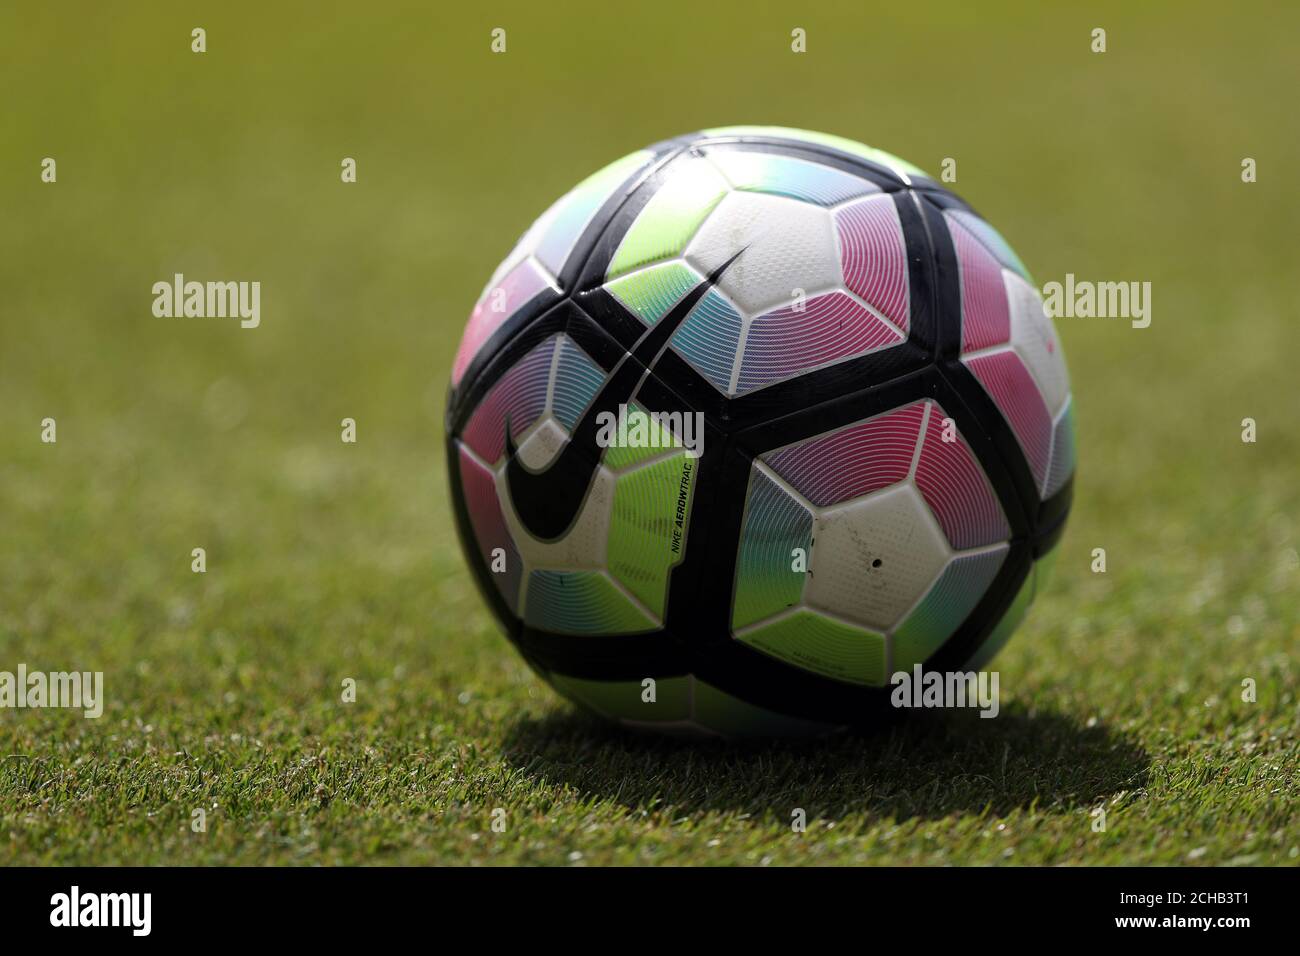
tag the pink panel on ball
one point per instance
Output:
(521, 394)
(1011, 386)
(490, 532)
(873, 256)
(498, 303)
(954, 486)
(830, 327)
(853, 461)
(985, 315)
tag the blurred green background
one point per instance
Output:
(328, 560)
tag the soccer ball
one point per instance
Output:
(750, 421)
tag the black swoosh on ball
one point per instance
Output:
(547, 502)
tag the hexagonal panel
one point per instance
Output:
(551, 237)
(789, 245)
(873, 558)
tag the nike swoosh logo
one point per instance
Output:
(547, 502)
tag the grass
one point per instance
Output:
(329, 561)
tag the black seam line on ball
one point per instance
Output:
(979, 624)
(549, 500)
(660, 653)
(663, 652)
(587, 264)
(596, 235)
(1001, 453)
(994, 604)
(877, 173)
(574, 263)
(670, 652)
(553, 319)
(809, 388)
(707, 608)
(600, 238)
(605, 657)
(745, 672)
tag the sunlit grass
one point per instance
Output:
(329, 561)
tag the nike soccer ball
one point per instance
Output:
(749, 422)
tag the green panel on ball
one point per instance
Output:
(824, 646)
(671, 217)
(776, 533)
(581, 602)
(647, 534)
(650, 293)
(648, 439)
(945, 606)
